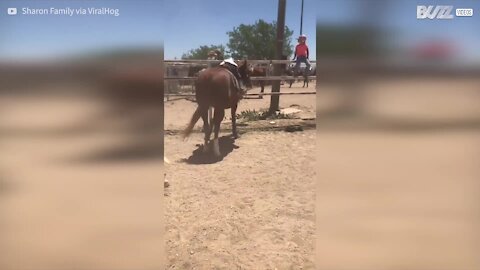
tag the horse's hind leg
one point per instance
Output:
(207, 128)
(234, 121)
(217, 119)
(305, 77)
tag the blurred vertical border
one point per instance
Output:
(81, 137)
(398, 127)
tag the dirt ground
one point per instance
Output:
(254, 209)
(73, 193)
(397, 178)
(396, 185)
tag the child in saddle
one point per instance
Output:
(233, 67)
(301, 55)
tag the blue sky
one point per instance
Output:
(186, 24)
(191, 23)
(37, 37)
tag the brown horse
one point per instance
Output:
(304, 73)
(217, 87)
(312, 72)
(259, 72)
(195, 69)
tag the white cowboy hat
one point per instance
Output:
(230, 61)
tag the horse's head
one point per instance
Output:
(243, 70)
(250, 69)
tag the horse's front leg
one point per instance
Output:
(305, 77)
(262, 88)
(217, 119)
(234, 121)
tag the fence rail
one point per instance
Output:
(195, 61)
(252, 94)
(268, 78)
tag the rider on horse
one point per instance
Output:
(230, 65)
(301, 54)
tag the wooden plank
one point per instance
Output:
(256, 94)
(269, 78)
(281, 94)
(196, 61)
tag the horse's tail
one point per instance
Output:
(196, 115)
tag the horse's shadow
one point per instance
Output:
(226, 143)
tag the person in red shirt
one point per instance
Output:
(301, 54)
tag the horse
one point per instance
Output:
(259, 72)
(305, 73)
(313, 72)
(217, 87)
(193, 71)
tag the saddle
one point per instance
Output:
(236, 83)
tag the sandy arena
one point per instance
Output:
(252, 210)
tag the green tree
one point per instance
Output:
(257, 41)
(202, 52)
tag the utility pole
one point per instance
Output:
(275, 99)
(301, 20)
